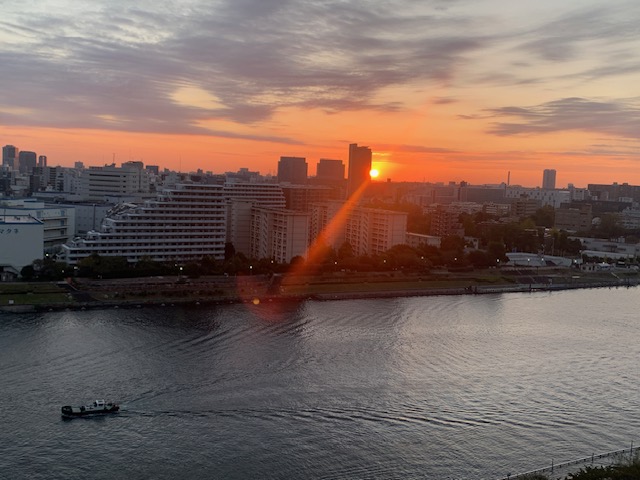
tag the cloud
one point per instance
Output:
(619, 118)
(86, 65)
(564, 38)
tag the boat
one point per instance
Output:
(98, 407)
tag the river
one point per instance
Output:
(472, 387)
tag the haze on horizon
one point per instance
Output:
(440, 90)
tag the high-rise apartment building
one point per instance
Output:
(182, 224)
(98, 182)
(278, 234)
(549, 179)
(369, 231)
(359, 167)
(241, 198)
(292, 170)
(330, 172)
(42, 161)
(10, 156)
(27, 161)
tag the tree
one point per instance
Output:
(452, 243)
(345, 251)
(27, 273)
(545, 216)
(229, 251)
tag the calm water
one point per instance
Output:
(435, 387)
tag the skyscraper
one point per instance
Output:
(10, 156)
(27, 161)
(549, 179)
(330, 171)
(359, 167)
(292, 170)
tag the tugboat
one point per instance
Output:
(99, 407)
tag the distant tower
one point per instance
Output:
(10, 156)
(330, 171)
(359, 167)
(292, 170)
(549, 179)
(27, 161)
(42, 161)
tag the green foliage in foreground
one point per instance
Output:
(622, 471)
(610, 472)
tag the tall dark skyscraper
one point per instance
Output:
(330, 171)
(10, 156)
(549, 179)
(292, 170)
(27, 161)
(359, 167)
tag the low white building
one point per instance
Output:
(545, 197)
(21, 239)
(58, 221)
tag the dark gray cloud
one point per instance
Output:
(565, 37)
(615, 118)
(118, 66)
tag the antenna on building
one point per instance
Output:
(508, 178)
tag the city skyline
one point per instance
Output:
(439, 90)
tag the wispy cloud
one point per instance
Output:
(616, 118)
(125, 61)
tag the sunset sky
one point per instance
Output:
(440, 90)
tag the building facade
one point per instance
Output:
(292, 170)
(359, 168)
(21, 239)
(574, 218)
(10, 156)
(98, 182)
(330, 172)
(279, 234)
(369, 231)
(58, 222)
(182, 224)
(549, 179)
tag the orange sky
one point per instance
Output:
(439, 90)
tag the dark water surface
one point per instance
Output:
(433, 387)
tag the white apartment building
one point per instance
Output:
(58, 221)
(241, 198)
(546, 197)
(21, 240)
(369, 231)
(263, 194)
(95, 183)
(630, 218)
(182, 224)
(279, 234)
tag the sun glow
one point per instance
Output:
(374, 173)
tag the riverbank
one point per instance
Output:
(83, 293)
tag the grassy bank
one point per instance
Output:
(91, 293)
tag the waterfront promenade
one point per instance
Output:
(82, 293)
(563, 469)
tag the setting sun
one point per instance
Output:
(374, 173)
